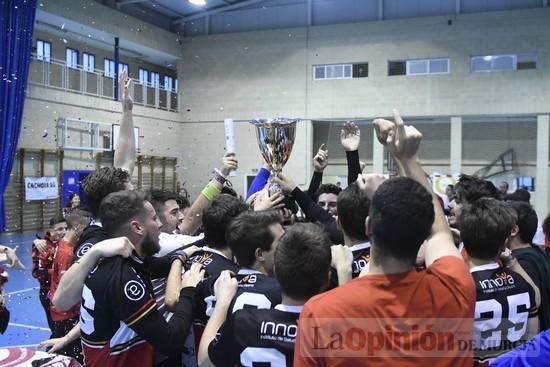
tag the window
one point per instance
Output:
(168, 82)
(509, 62)
(360, 70)
(340, 71)
(88, 62)
(176, 85)
(418, 67)
(43, 50)
(397, 68)
(109, 68)
(155, 79)
(143, 76)
(72, 58)
(123, 66)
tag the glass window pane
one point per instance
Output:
(481, 63)
(504, 62)
(319, 72)
(439, 66)
(338, 71)
(417, 67)
(347, 71)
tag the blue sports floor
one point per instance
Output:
(28, 325)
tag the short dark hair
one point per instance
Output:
(77, 216)
(527, 220)
(216, 218)
(56, 219)
(158, 198)
(471, 188)
(118, 208)
(401, 216)
(353, 209)
(101, 183)
(229, 191)
(519, 195)
(249, 231)
(484, 226)
(302, 260)
(328, 189)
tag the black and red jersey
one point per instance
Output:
(116, 294)
(504, 304)
(257, 337)
(361, 256)
(91, 235)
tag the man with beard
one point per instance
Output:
(119, 320)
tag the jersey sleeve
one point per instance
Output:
(223, 350)
(453, 273)
(131, 300)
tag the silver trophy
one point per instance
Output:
(275, 139)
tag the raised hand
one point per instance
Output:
(193, 276)
(264, 201)
(350, 136)
(320, 161)
(225, 288)
(229, 163)
(286, 183)
(124, 91)
(402, 141)
(369, 183)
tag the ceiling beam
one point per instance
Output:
(217, 10)
(121, 3)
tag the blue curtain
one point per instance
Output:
(16, 27)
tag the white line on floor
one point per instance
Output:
(21, 346)
(22, 291)
(29, 326)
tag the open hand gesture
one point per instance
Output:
(350, 136)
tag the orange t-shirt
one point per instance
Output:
(419, 318)
(61, 263)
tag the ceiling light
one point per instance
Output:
(198, 2)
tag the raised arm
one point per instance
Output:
(125, 149)
(320, 162)
(350, 138)
(193, 219)
(403, 143)
(69, 290)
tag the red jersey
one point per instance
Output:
(61, 262)
(42, 263)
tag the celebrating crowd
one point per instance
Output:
(376, 274)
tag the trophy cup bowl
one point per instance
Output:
(275, 139)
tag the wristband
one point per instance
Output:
(219, 177)
(210, 191)
(179, 255)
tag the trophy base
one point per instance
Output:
(272, 186)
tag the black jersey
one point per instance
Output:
(116, 294)
(255, 290)
(504, 303)
(213, 261)
(257, 337)
(90, 236)
(361, 256)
